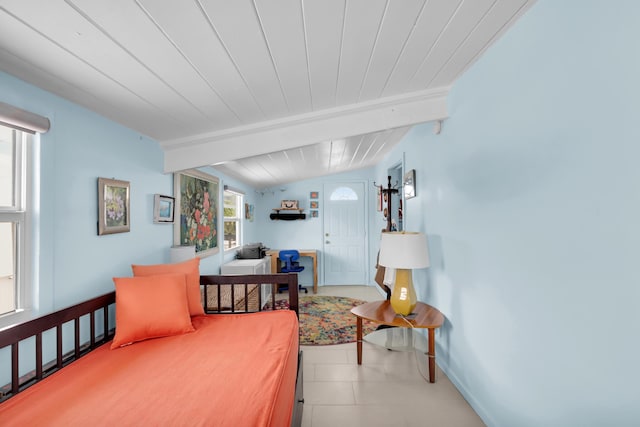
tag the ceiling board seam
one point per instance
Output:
(274, 162)
(306, 52)
(440, 35)
(453, 53)
(344, 24)
(522, 9)
(273, 61)
(44, 36)
(366, 153)
(87, 18)
(330, 155)
(373, 49)
(267, 171)
(226, 49)
(289, 161)
(379, 149)
(404, 46)
(186, 58)
(356, 151)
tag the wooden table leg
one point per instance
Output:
(432, 355)
(359, 339)
(315, 273)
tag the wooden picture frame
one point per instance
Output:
(113, 206)
(163, 209)
(289, 204)
(197, 200)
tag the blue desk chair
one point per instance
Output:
(290, 264)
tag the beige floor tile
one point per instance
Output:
(386, 390)
(355, 416)
(329, 393)
(350, 372)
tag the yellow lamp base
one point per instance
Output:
(403, 297)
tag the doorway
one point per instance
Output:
(395, 172)
(344, 233)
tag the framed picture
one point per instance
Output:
(197, 199)
(379, 204)
(289, 204)
(409, 184)
(163, 209)
(314, 204)
(314, 214)
(313, 195)
(113, 206)
(248, 212)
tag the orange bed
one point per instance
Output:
(234, 370)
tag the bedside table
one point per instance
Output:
(423, 317)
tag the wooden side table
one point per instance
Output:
(381, 312)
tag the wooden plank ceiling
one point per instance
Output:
(269, 91)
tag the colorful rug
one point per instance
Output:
(326, 320)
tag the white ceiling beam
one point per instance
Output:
(306, 129)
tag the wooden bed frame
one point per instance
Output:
(36, 327)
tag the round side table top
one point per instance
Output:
(423, 316)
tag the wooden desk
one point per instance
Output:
(381, 312)
(311, 253)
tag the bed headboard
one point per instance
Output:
(246, 280)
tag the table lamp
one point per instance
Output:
(403, 251)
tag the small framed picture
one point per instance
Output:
(113, 206)
(163, 209)
(314, 214)
(313, 195)
(314, 204)
(409, 184)
(289, 204)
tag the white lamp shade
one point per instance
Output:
(182, 253)
(404, 249)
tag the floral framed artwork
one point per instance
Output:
(113, 206)
(163, 209)
(313, 195)
(314, 204)
(197, 200)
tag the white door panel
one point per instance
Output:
(345, 234)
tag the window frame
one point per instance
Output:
(20, 214)
(237, 219)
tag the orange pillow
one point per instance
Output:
(191, 268)
(150, 307)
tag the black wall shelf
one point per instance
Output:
(287, 216)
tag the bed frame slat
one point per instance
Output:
(39, 356)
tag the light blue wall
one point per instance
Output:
(530, 200)
(307, 234)
(73, 262)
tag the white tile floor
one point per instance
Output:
(386, 390)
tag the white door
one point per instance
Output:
(344, 234)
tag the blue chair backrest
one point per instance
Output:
(288, 256)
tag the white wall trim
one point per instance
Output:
(305, 129)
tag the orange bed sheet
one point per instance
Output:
(234, 370)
